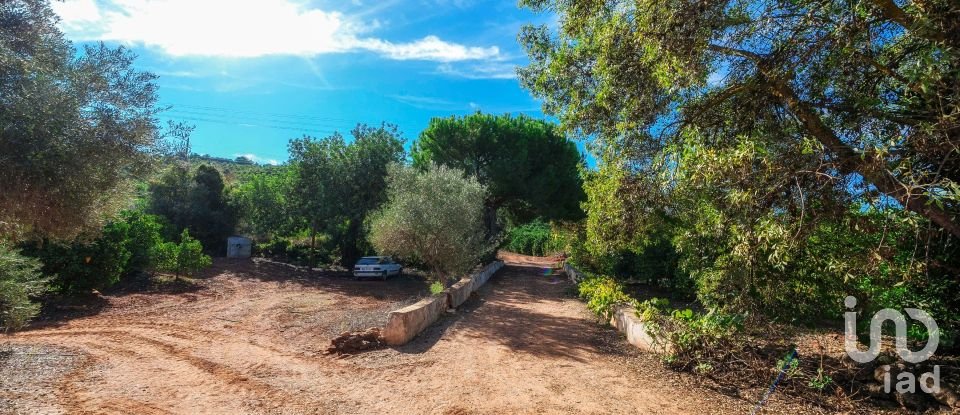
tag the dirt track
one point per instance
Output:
(251, 341)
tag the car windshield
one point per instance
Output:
(368, 261)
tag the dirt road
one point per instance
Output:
(251, 341)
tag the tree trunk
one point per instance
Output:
(872, 170)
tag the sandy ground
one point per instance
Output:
(250, 340)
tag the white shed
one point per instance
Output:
(239, 247)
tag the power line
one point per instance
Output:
(254, 112)
(234, 123)
(253, 119)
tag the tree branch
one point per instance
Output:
(851, 161)
(890, 11)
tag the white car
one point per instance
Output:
(376, 266)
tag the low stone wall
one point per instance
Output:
(625, 319)
(484, 274)
(404, 324)
(574, 274)
(459, 293)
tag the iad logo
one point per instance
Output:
(929, 382)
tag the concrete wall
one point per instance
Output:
(404, 324)
(459, 293)
(484, 274)
(626, 321)
(574, 274)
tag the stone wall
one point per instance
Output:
(404, 324)
(625, 320)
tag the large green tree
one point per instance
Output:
(194, 200)
(433, 216)
(262, 202)
(531, 169)
(866, 89)
(336, 183)
(794, 151)
(76, 127)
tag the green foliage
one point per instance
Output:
(774, 168)
(86, 263)
(434, 217)
(98, 261)
(193, 201)
(531, 169)
(20, 280)
(821, 381)
(856, 111)
(532, 238)
(337, 184)
(78, 127)
(626, 238)
(436, 287)
(183, 258)
(603, 295)
(144, 233)
(262, 203)
(691, 336)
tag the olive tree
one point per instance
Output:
(433, 216)
(76, 128)
(20, 279)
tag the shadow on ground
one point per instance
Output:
(527, 311)
(398, 288)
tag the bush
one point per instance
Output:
(695, 338)
(83, 265)
(183, 258)
(143, 236)
(530, 239)
(434, 216)
(20, 279)
(603, 295)
(122, 248)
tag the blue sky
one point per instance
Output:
(252, 74)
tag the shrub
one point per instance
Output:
(143, 236)
(694, 337)
(541, 238)
(20, 279)
(122, 248)
(530, 239)
(603, 294)
(183, 258)
(433, 216)
(83, 265)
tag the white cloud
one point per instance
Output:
(77, 10)
(422, 102)
(249, 28)
(258, 159)
(486, 70)
(430, 48)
